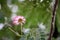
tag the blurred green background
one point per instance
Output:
(35, 11)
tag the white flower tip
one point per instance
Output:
(14, 8)
(25, 31)
(41, 0)
(10, 6)
(1, 26)
(0, 6)
(41, 26)
(21, 0)
(5, 18)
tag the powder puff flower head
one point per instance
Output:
(18, 20)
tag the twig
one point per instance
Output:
(21, 28)
(14, 32)
(53, 20)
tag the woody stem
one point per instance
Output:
(53, 20)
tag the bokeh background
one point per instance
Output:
(38, 13)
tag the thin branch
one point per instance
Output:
(53, 19)
(14, 31)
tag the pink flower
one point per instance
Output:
(18, 20)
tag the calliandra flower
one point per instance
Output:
(18, 20)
